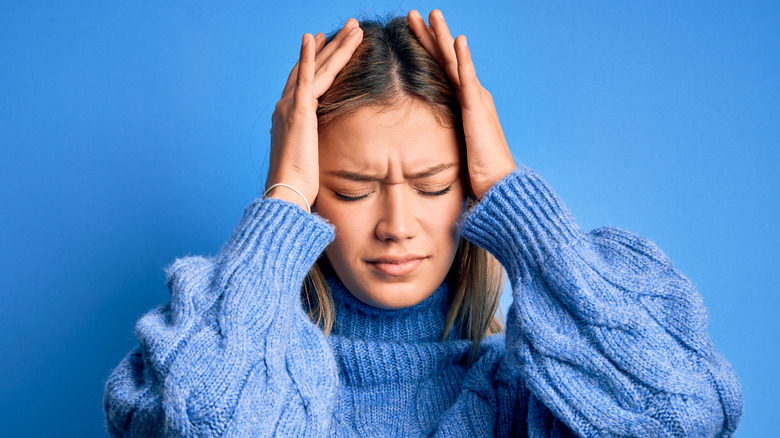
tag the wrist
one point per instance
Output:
(287, 194)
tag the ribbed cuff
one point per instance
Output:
(520, 220)
(279, 239)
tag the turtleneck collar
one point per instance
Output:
(423, 322)
(375, 346)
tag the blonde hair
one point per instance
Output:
(388, 67)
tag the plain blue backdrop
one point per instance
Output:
(133, 133)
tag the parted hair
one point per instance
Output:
(389, 67)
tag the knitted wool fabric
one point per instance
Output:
(604, 338)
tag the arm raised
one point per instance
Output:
(231, 350)
(607, 333)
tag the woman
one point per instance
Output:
(358, 298)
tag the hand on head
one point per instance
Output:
(294, 151)
(391, 174)
(489, 157)
(294, 136)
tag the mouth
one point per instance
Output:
(396, 266)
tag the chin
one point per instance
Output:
(385, 292)
(395, 296)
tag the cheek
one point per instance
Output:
(350, 232)
(457, 203)
(444, 217)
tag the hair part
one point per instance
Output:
(389, 67)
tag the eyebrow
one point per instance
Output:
(354, 176)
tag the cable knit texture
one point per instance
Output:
(604, 337)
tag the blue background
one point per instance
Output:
(133, 134)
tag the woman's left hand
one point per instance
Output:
(488, 155)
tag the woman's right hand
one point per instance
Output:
(294, 146)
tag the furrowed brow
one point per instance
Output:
(354, 176)
(432, 171)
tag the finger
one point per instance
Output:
(445, 44)
(319, 42)
(290, 80)
(473, 97)
(330, 47)
(321, 51)
(423, 33)
(327, 71)
(470, 88)
(305, 79)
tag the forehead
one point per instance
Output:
(404, 137)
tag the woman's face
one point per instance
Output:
(391, 184)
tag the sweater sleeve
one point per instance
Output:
(230, 354)
(604, 330)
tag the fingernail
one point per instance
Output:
(353, 31)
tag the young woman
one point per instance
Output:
(358, 296)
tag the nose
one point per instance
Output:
(397, 219)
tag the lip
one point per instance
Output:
(395, 266)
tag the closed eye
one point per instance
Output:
(349, 198)
(421, 192)
(439, 193)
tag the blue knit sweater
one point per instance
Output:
(604, 338)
